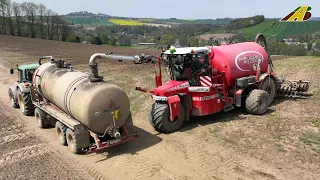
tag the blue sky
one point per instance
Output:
(185, 9)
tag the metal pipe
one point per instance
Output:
(45, 57)
(94, 65)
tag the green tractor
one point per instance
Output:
(19, 93)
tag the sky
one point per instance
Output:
(183, 9)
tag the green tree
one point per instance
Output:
(104, 37)
(112, 41)
(97, 41)
(183, 41)
(309, 45)
(124, 41)
(202, 42)
(193, 42)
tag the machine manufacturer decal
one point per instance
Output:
(160, 98)
(205, 98)
(244, 60)
(181, 86)
(199, 89)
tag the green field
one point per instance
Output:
(282, 29)
(94, 22)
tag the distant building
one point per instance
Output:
(147, 44)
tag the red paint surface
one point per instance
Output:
(231, 59)
(174, 105)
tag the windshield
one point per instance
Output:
(29, 74)
(186, 67)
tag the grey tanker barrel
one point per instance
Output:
(101, 106)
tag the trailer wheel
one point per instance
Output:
(13, 100)
(61, 131)
(25, 103)
(160, 118)
(41, 118)
(72, 142)
(269, 85)
(257, 102)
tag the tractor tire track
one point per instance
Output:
(14, 137)
(10, 130)
(23, 153)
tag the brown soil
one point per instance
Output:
(283, 144)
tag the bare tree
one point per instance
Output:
(3, 6)
(65, 30)
(18, 17)
(42, 10)
(30, 9)
(48, 19)
(9, 19)
(57, 23)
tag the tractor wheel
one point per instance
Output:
(13, 100)
(269, 85)
(25, 103)
(151, 114)
(257, 102)
(41, 118)
(61, 131)
(72, 142)
(160, 120)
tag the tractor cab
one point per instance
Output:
(187, 64)
(25, 72)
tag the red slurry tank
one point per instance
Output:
(238, 60)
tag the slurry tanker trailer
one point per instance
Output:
(88, 113)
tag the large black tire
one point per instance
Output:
(41, 118)
(13, 100)
(159, 118)
(72, 142)
(257, 102)
(25, 103)
(61, 132)
(269, 85)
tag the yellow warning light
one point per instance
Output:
(192, 51)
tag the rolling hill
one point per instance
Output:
(91, 19)
(282, 29)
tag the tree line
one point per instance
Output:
(28, 19)
(243, 22)
(183, 35)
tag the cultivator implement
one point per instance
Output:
(293, 89)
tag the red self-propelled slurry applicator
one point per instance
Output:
(208, 80)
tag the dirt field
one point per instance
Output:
(283, 144)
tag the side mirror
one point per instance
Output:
(11, 71)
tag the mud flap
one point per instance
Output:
(129, 128)
(83, 137)
(174, 105)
